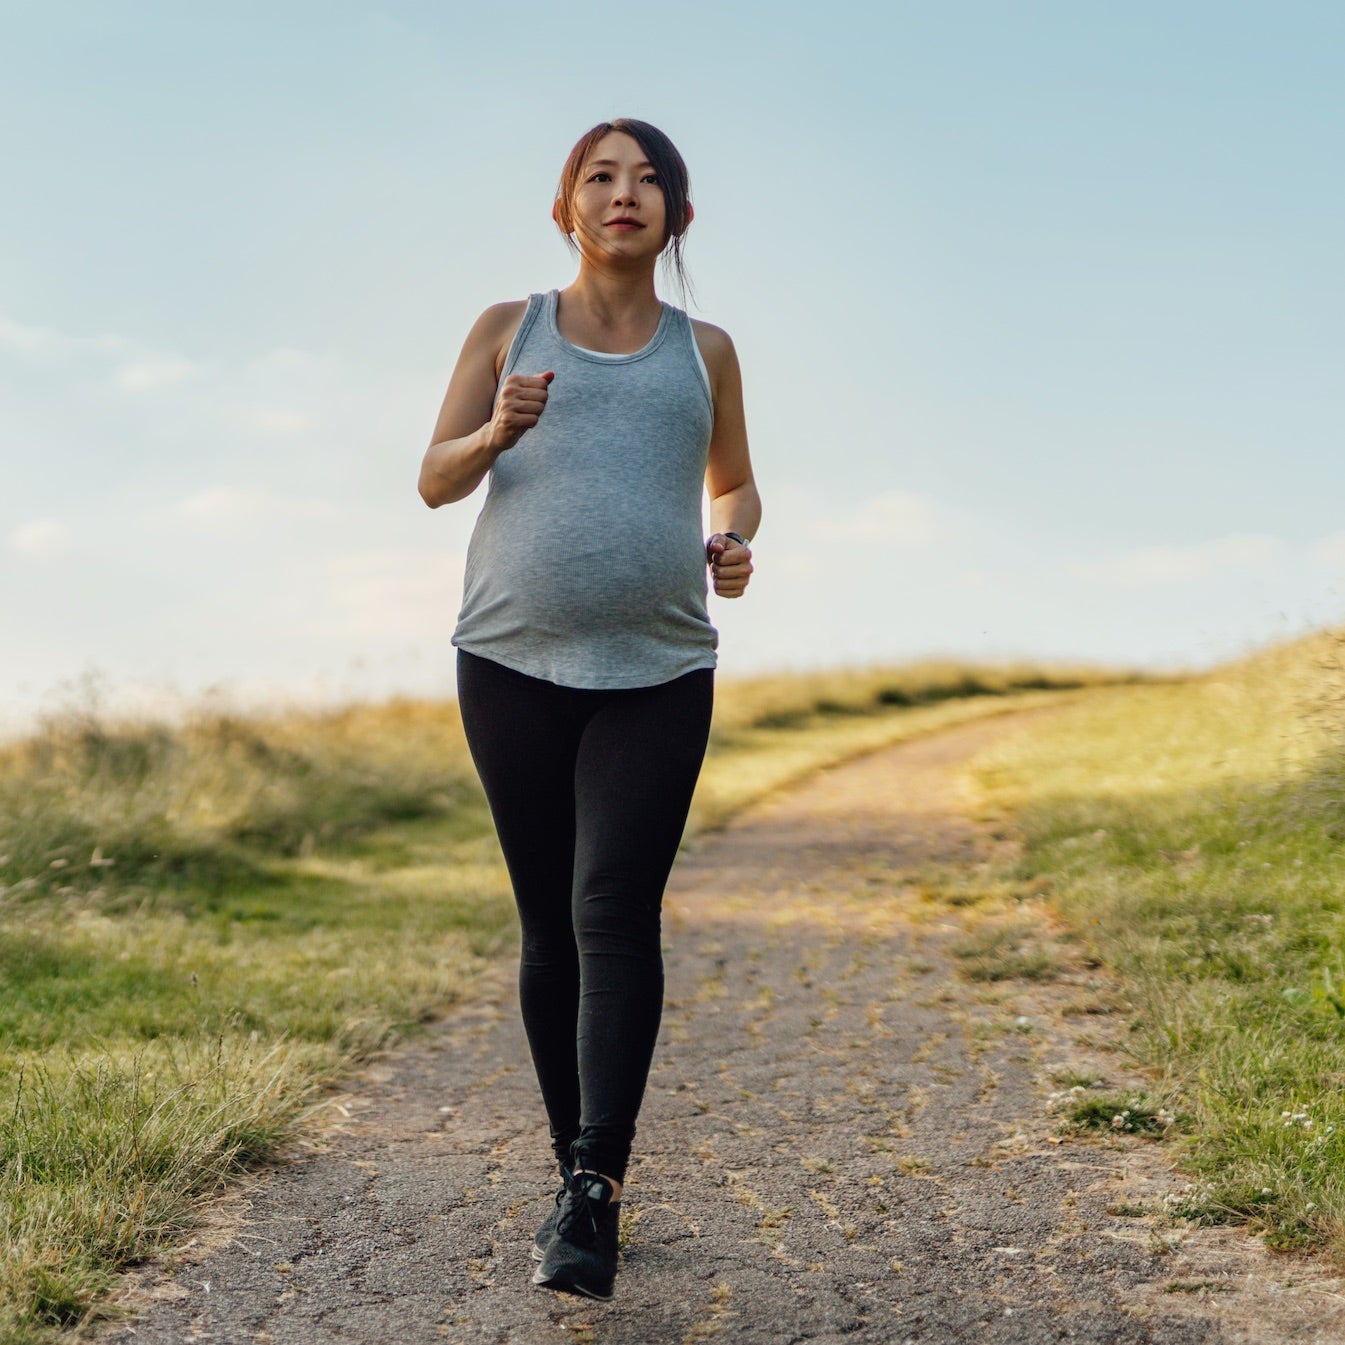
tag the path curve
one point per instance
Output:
(839, 1142)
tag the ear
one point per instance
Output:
(555, 212)
(691, 212)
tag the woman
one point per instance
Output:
(585, 653)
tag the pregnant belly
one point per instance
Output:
(570, 580)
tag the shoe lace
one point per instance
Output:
(579, 1214)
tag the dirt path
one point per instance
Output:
(843, 1140)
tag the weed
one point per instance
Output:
(1118, 1113)
(1003, 952)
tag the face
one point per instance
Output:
(618, 205)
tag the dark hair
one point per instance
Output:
(672, 176)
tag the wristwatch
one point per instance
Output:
(737, 537)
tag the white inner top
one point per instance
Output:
(695, 346)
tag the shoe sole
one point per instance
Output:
(569, 1287)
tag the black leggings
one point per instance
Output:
(590, 792)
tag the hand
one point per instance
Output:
(730, 565)
(520, 406)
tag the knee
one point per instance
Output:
(618, 922)
(549, 944)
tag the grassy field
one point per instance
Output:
(1191, 837)
(203, 925)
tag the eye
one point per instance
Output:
(597, 175)
(650, 177)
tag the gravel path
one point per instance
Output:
(843, 1140)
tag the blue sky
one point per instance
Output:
(1037, 307)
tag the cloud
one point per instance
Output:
(51, 344)
(895, 518)
(117, 397)
(229, 506)
(1329, 553)
(41, 539)
(149, 375)
(288, 360)
(275, 420)
(1175, 564)
(396, 594)
(127, 364)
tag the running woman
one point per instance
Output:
(585, 652)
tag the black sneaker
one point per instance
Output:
(581, 1257)
(547, 1231)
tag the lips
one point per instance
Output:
(625, 220)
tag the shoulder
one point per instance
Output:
(493, 332)
(711, 339)
(511, 310)
(716, 347)
(718, 352)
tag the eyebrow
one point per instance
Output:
(612, 163)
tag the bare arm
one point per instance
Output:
(735, 505)
(467, 438)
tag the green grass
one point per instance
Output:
(206, 923)
(1125, 1114)
(1191, 835)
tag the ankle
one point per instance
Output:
(617, 1187)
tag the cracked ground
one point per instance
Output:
(843, 1138)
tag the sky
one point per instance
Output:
(1038, 308)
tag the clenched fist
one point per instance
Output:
(730, 565)
(521, 403)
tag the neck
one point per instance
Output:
(615, 298)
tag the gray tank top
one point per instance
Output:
(587, 564)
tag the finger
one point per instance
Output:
(530, 380)
(727, 548)
(531, 402)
